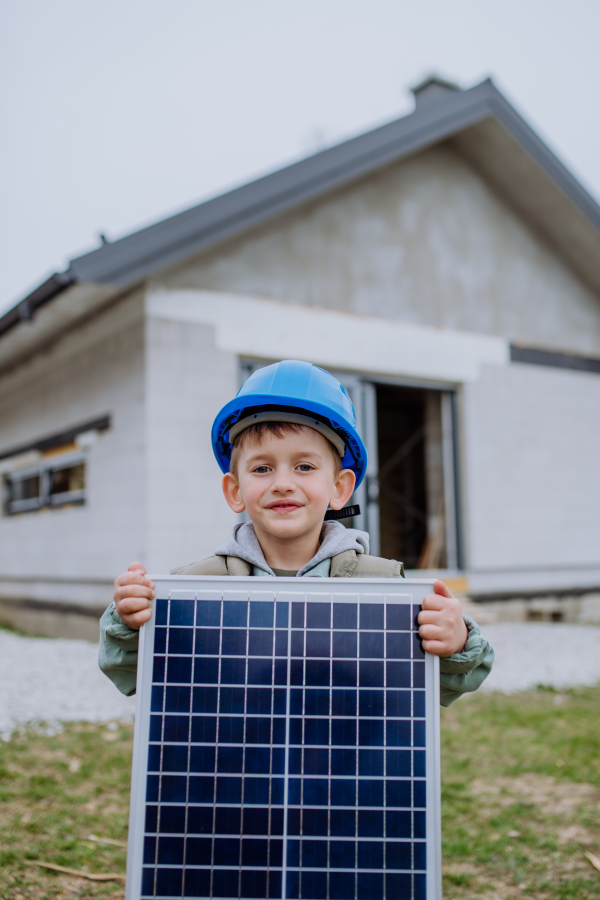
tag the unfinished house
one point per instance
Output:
(446, 267)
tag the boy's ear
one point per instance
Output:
(344, 488)
(231, 492)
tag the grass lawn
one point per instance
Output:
(521, 795)
(521, 801)
(55, 792)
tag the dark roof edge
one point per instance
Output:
(169, 241)
(543, 155)
(25, 309)
(138, 255)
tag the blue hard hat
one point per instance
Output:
(294, 387)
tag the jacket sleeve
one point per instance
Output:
(466, 671)
(118, 652)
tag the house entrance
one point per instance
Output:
(415, 456)
(408, 498)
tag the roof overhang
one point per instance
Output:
(71, 305)
(529, 177)
(479, 123)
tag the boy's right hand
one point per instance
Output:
(132, 596)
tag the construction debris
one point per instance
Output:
(105, 840)
(595, 860)
(111, 876)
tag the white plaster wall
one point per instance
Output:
(423, 241)
(187, 381)
(94, 370)
(531, 465)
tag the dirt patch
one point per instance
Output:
(529, 833)
(575, 834)
(553, 797)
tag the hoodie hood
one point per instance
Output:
(243, 543)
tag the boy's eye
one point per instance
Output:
(261, 470)
(305, 467)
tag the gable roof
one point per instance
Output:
(479, 122)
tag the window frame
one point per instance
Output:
(45, 499)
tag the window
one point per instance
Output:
(23, 491)
(67, 483)
(50, 483)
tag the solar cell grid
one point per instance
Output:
(286, 748)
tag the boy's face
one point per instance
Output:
(286, 484)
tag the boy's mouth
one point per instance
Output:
(283, 506)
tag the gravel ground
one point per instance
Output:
(46, 680)
(532, 653)
(50, 681)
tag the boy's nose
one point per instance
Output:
(283, 487)
(283, 483)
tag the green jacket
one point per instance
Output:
(460, 673)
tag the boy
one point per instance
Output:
(289, 449)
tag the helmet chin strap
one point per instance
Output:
(344, 513)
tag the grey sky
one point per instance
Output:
(117, 114)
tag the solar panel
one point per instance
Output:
(286, 743)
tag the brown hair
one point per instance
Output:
(256, 433)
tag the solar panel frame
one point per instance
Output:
(371, 591)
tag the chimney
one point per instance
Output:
(432, 90)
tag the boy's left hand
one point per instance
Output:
(441, 624)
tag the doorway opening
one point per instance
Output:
(408, 498)
(414, 500)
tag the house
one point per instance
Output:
(446, 267)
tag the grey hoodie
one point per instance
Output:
(335, 538)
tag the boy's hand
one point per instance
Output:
(132, 596)
(441, 625)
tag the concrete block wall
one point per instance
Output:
(187, 381)
(73, 554)
(428, 241)
(423, 241)
(531, 439)
(153, 485)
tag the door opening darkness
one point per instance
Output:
(412, 517)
